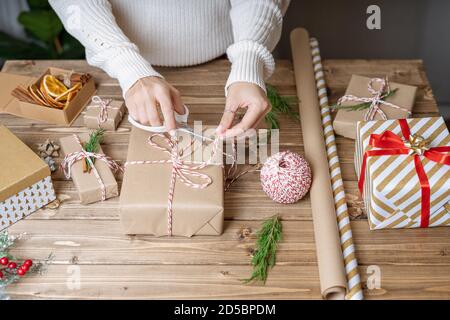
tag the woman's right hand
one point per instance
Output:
(146, 94)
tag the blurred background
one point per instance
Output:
(410, 29)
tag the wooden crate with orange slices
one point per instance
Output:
(58, 96)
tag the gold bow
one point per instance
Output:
(417, 144)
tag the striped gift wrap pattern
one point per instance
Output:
(392, 192)
(354, 289)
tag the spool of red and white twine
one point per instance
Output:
(286, 177)
(354, 291)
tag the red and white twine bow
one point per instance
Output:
(375, 101)
(104, 105)
(184, 170)
(73, 157)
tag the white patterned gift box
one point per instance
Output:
(25, 182)
(394, 185)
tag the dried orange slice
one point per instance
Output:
(52, 86)
(51, 101)
(63, 96)
(34, 92)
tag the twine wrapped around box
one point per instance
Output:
(94, 187)
(104, 113)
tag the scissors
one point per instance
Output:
(181, 120)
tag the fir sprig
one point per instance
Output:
(280, 105)
(93, 145)
(364, 105)
(264, 257)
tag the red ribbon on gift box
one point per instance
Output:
(391, 144)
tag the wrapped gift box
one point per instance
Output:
(392, 180)
(113, 115)
(346, 120)
(88, 186)
(65, 116)
(145, 191)
(25, 182)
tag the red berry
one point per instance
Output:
(1, 274)
(21, 272)
(12, 265)
(4, 261)
(28, 263)
(24, 267)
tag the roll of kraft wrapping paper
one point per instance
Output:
(333, 281)
(348, 249)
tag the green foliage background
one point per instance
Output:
(49, 40)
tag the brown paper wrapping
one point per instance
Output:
(87, 185)
(116, 110)
(20, 166)
(328, 248)
(144, 195)
(346, 121)
(66, 116)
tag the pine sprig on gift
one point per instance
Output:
(93, 145)
(364, 105)
(264, 257)
(280, 105)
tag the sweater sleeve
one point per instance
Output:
(93, 24)
(256, 31)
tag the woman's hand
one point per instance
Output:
(146, 94)
(243, 95)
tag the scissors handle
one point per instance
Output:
(180, 118)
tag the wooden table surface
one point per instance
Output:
(86, 241)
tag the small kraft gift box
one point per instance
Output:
(165, 193)
(16, 92)
(369, 99)
(403, 167)
(104, 113)
(96, 184)
(25, 182)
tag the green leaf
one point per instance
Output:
(12, 48)
(280, 105)
(264, 257)
(38, 4)
(43, 24)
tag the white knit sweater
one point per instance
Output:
(125, 38)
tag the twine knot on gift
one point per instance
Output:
(388, 143)
(183, 169)
(70, 159)
(376, 101)
(104, 105)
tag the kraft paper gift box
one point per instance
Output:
(25, 182)
(65, 116)
(87, 184)
(392, 184)
(346, 120)
(145, 190)
(115, 110)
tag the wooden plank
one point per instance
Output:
(219, 282)
(413, 263)
(102, 242)
(244, 201)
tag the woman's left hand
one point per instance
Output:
(243, 95)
